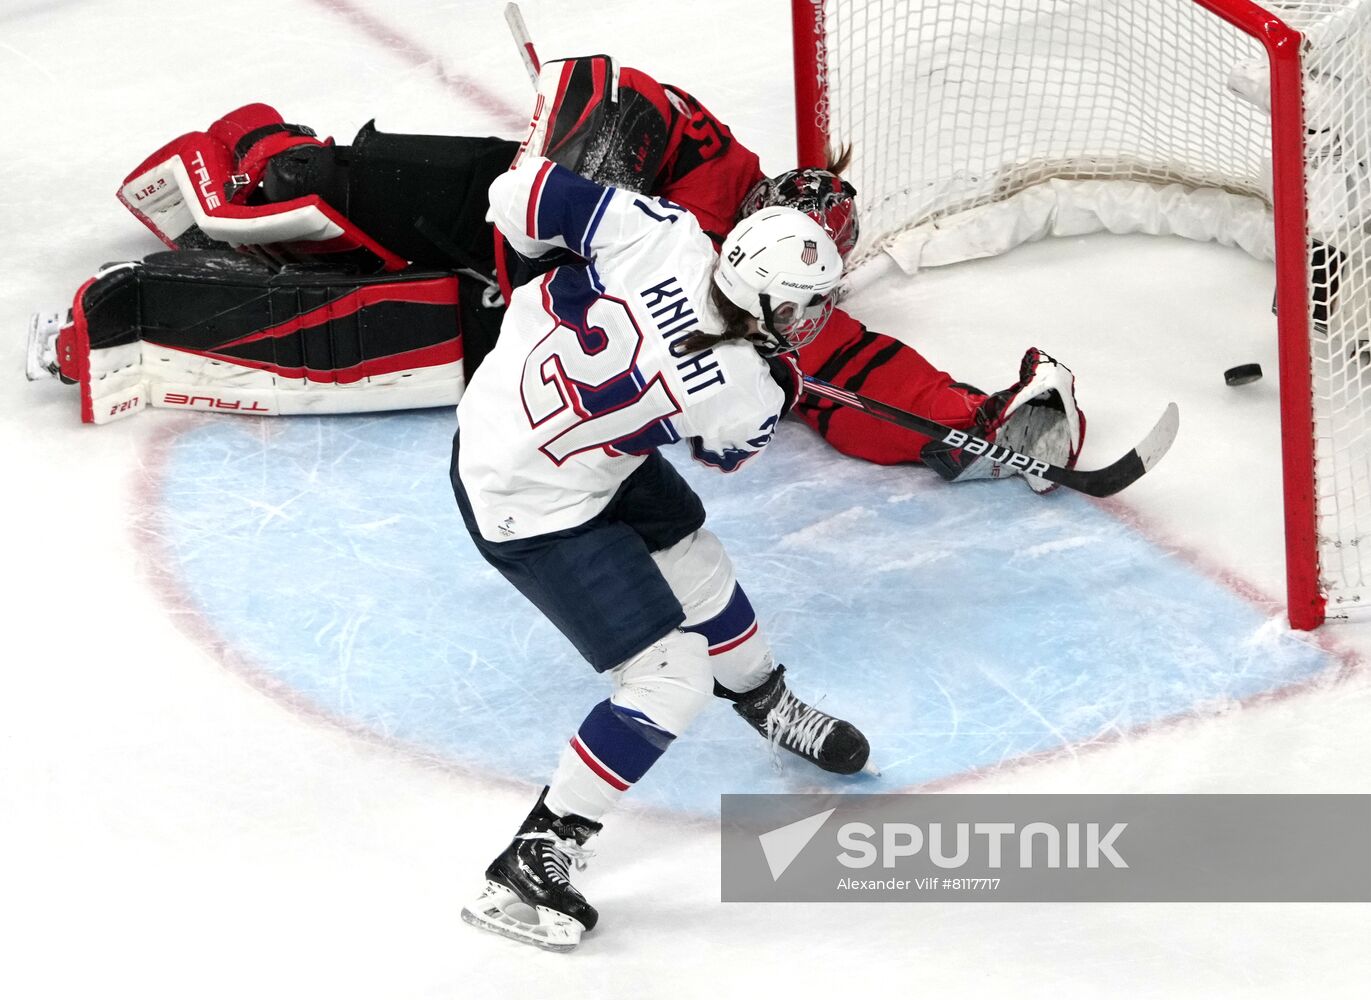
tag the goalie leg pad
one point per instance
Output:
(98, 348)
(219, 331)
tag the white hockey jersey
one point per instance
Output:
(587, 377)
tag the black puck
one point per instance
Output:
(1242, 374)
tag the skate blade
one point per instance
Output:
(555, 931)
(871, 769)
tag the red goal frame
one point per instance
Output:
(1305, 598)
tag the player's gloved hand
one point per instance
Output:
(1037, 416)
(785, 369)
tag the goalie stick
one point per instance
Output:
(515, 19)
(1093, 482)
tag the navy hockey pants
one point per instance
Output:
(597, 582)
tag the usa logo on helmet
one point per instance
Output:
(810, 254)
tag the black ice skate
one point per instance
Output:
(528, 893)
(788, 723)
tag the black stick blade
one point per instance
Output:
(1127, 470)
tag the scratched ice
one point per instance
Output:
(959, 627)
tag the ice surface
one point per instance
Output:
(167, 830)
(960, 627)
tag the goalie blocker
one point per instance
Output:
(215, 330)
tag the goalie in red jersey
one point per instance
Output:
(310, 277)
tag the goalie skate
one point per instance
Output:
(42, 352)
(499, 909)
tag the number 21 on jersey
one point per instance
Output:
(583, 382)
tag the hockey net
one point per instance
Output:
(977, 125)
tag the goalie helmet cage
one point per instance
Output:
(978, 124)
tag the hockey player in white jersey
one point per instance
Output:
(647, 339)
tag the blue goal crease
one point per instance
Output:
(957, 626)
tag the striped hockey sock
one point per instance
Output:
(614, 747)
(739, 654)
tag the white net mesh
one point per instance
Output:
(1337, 105)
(954, 104)
(977, 124)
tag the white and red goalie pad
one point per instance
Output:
(209, 336)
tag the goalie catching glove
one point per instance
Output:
(1037, 416)
(201, 192)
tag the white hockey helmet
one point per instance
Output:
(781, 267)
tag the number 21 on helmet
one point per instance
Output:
(780, 266)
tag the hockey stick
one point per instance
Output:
(515, 19)
(1093, 482)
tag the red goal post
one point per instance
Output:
(989, 100)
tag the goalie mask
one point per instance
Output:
(781, 267)
(820, 194)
